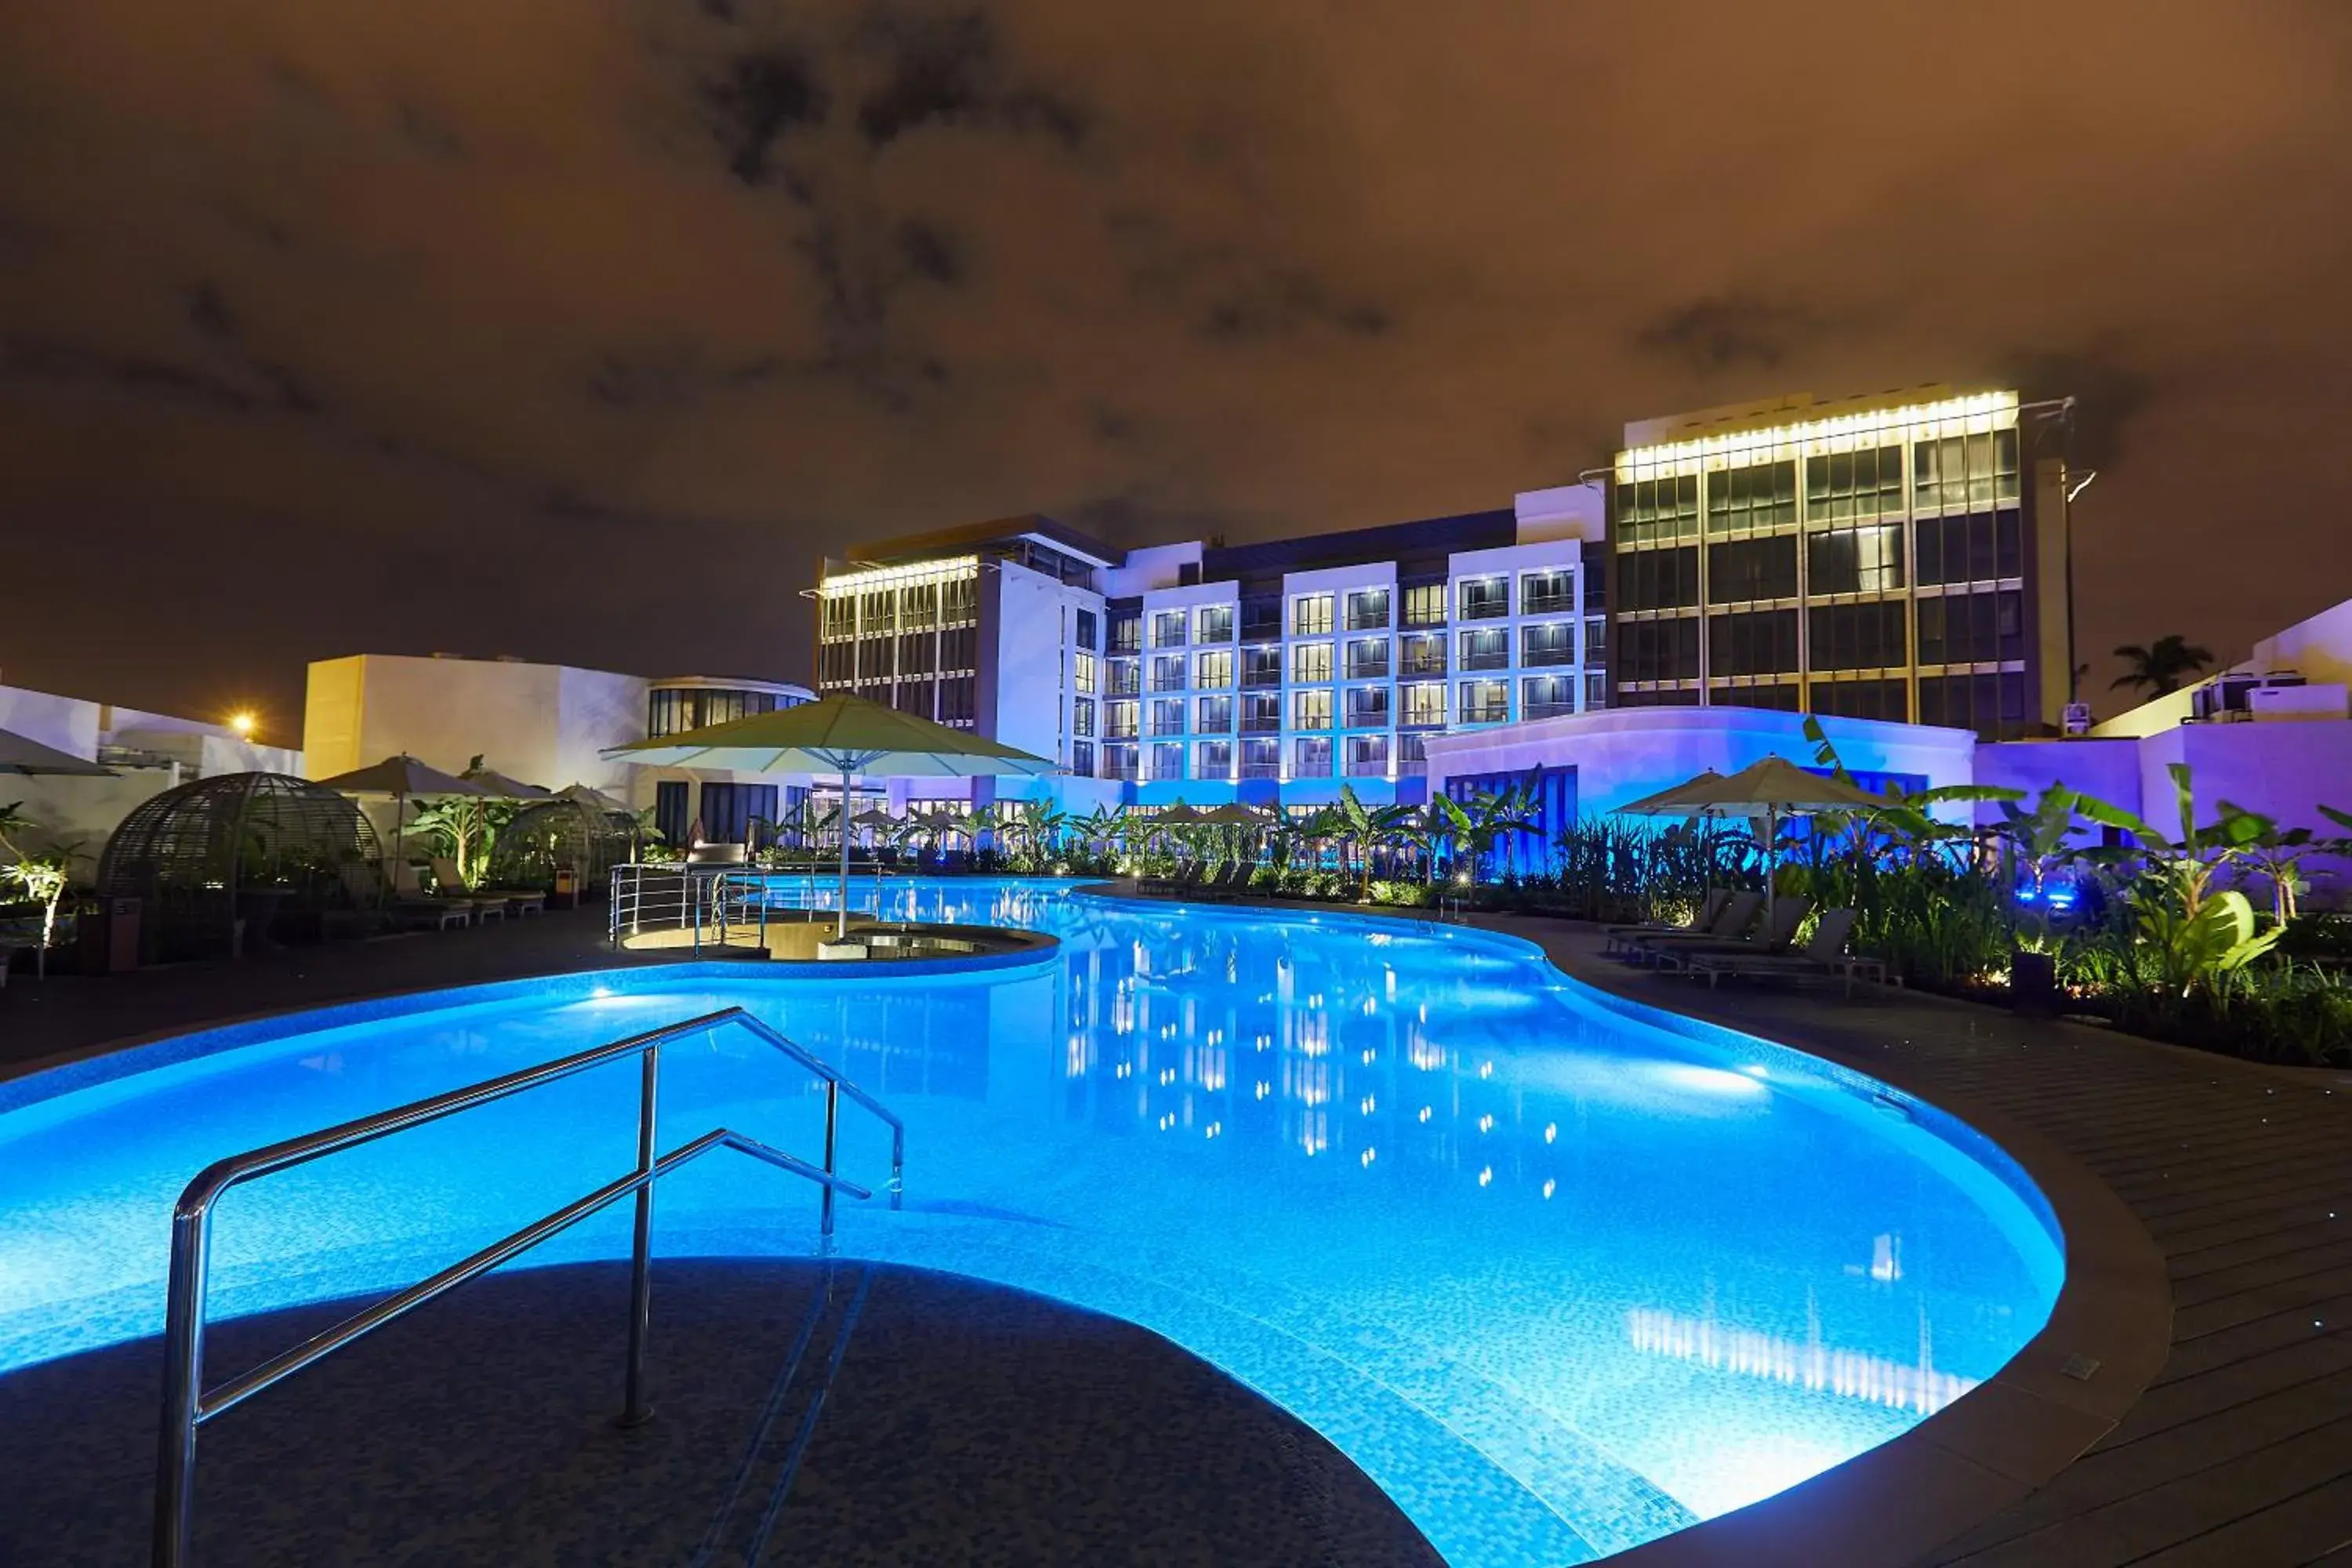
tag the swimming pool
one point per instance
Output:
(1559, 1274)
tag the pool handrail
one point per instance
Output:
(186, 1405)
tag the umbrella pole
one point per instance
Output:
(840, 927)
(1771, 861)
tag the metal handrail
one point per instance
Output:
(186, 1404)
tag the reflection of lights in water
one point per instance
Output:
(601, 991)
(1811, 1365)
(1549, 1185)
(1486, 1069)
(1263, 1089)
(1708, 1081)
(1075, 1064)
(1167, 1077)
(1313, 1135)
(1367, 1105)
(1213, 1128)
(1424, 1113)
(1487, 1123)
(1167, 1121)
(1370, 1056)
(1486, 1176)
(1122, 1069)
(1265, 1042)
(1367, 1158)
(1754, 1070)
(1216, 1038)
(1423, 1055)
(1387, 982)
(1551, 1132)
(1886, 1258)
(1370, 1007)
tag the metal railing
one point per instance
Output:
(187, 1404)
(719, 905)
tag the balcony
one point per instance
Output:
(1261, 675)
(1164, 728)
(1367, 718)
(1169, 769)
(1261, 770)
(1362, 621)
(1168, 683)
(1543, 658)
(1121, 768)
(1368, 670)
(1487, 713)
(1119, 731)
(1546, 710)
(1267, 726)
(1412, 767)
(1422, 664)
(1535, 604)
(1498, 659)
(1367, 768)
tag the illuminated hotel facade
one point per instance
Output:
(1900, 557)
(1271, 673)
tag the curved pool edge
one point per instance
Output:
(1893, 1504)
(1885, 1506)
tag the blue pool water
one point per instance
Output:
(1559, 1274)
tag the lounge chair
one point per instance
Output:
(1698, 925)
(511, 900)
(1738, 913)
(1822, 957)
(1229, 880)
(411, 906)
(487, 906)
(1780, 929)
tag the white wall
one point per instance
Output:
(1035, 623)
(1562, 512)
(1153, 566)
(66, 724)
(542, 724)
(2319, 649)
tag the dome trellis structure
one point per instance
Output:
(564, 831)
(267, 848)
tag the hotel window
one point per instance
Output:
(1484, 703)
(1261, 714)
(1261, 618)
(1168, 629)
(1082, 670)
(1411, 755)
(1857, 636)
(1310, 661)
(1750, 499)
(1651, 511)
(1168, 672)
(1125, 677)
(1215, 716)
(1125, 631)
(1310, 710)
(1261, 759)
(1168, 715)
(1118, 762)
(1422, 654)
(1368, 610)
(1982, 547)
(1214, 670)
(1553, 642)
(1992, 703)
(1596, 691)
(1310, 757)
(919, 604)
(1888, 700)
(1119, 721)
(1425, 605)
(1212, 623)
(841, 616)
(1424, 705)
(1657, 650)
(959, 648)
(960, 600)
(1082, 758)
(1754, 642)
(1484, 598)
(914, 696)
(1972, 629)
(1368, 708)
(1212, 760)
(959, 700)
(1547, 696)
(1547, 592)
(1168, 761)
(1762, 568)
(1865, 560)
(918, 654)
(1658, 579)
(1965, 470)
(1596, 639)
(1485, 650)
(1082, 717)
(1855, 486)
(1310, 615)
(1368, 658)
(672, 816)
(1368, 756)
(1262, 666)
(1086, 628)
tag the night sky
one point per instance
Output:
(578, 330)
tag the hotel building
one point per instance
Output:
(1270, 673)
(1900, 557)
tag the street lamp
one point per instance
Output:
(243, 722)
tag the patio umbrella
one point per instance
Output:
(23, 755)
(594, 799)
(838, 734)
(1771, 789)
(399, 777)
(1179, 815)
(498, 786)
(1230, 815)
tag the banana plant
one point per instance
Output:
(2278, 854)
(1365, 830)
(2200, 937)
(43, 876)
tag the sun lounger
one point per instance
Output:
(412, 906)
(1738, 913)
(1822, 957)
(1780, 929)
(1698, 925)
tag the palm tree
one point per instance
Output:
(1366, 830)
(2163, 666)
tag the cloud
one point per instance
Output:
(1730, 331)
(762, 98)
(945, 67)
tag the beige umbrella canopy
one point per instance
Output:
(1771, 789)
(401, 777)
(1231, 816)
(498, 786)
(1179, 815)
(848, 736)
